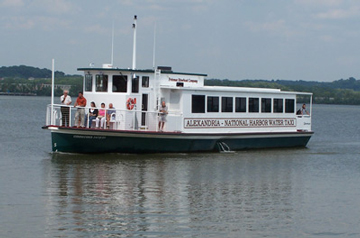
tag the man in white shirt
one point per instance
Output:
(65, 100)
(163, 111)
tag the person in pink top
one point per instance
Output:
(101, 116)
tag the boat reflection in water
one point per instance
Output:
(171, 195)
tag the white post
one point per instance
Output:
(134, 45)
(154, 46)
(52, 92)
(112, 46)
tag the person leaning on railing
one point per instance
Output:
(80, 112)
(65, 100)
(303, 110)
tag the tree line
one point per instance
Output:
(27, 79)
(31, 80)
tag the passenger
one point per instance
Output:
(163, 111)
(65, 110)
(303, 110)
(80, 112)
(101, 116)
(110, 111)
(93, 113)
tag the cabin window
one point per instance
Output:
(289, 105)
(145, 81)
(198, 104)
(120, 83)
(240, 104)
(266, 105)
(135, 85)
(253, 104)
(88, 82)
(213, 104)
(101, 83)
(278, 105)
(226, 104)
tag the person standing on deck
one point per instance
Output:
(65, 100)
(163, 111)
(303, 110)
(110, 113)
(80, 112)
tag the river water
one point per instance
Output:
(309, 192)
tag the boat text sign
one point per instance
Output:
(190, 123)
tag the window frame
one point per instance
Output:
(278, 107)
(105, 83)
(266, 105)
(124, 83)
(197, 103)
(240, 104)
(88, 85)
(289, 106)
(145, 81)
(253, 106)
(213, 103)
(135, 84)
(227, 104)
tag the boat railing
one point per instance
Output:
(303, 122)
(119, 119)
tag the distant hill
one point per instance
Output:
(299, 85)
(25, 72)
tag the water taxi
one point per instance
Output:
(199, 118)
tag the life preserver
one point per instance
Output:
(130, 103)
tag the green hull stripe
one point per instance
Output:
(70, 142)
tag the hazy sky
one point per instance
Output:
(233, 39)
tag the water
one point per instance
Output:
(310, 192)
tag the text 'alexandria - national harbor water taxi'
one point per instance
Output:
(195, 117)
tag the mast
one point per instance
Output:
(154, 46)
(52, 118)
(134, 44)
(112, 46)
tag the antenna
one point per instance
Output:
(134, 46)
(112, 46)
(154, 46)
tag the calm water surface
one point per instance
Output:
(310, 192)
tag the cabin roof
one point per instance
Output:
(138, 71)
(234, 89)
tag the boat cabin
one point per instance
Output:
(192, 107)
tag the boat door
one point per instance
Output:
(144, 108)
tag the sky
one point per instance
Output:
(311, 40)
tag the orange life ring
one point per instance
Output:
(130, 103)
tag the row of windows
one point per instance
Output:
(119, 83)
(253, 104)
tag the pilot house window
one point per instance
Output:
(101, 83)
(120, 83)
(135, 85)
(88, 82)
(145, 81)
